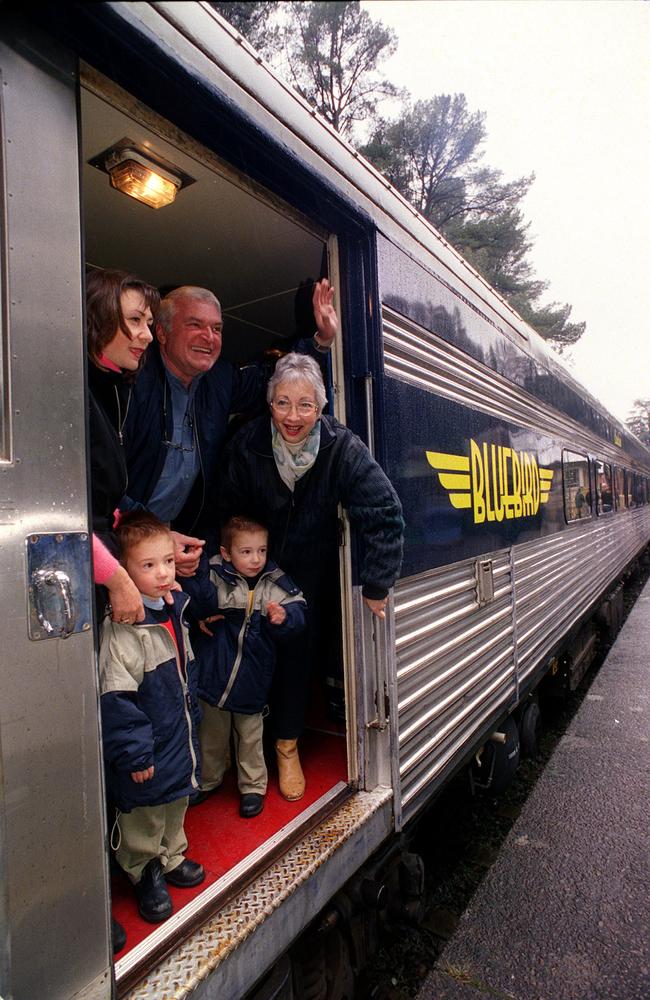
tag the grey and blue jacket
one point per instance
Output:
(236, 663)
(149, 708)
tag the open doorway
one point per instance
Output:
(260, 258)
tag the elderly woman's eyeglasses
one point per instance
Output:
(304, 408)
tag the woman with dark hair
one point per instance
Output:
(290, 472)
(119, 315)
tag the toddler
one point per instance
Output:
(150, 719)
(254, 606)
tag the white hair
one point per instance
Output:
(298, 368)
(192, 293)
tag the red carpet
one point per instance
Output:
(219, 838)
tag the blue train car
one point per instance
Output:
(525, 501)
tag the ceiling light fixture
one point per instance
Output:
(140, 174)
(132, 174)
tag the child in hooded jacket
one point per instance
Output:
(150, 720)
(253, 606)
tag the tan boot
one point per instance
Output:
(291, 778)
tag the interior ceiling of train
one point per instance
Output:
(218, 233)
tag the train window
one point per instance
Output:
(637, 497)
(577, 489)
(630, 488)
(619, 488)
(604, 498)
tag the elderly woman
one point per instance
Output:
(119, 316)
(291, 472)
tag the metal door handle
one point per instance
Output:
(54, 608)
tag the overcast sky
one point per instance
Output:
(565, 85)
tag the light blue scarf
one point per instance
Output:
(294, 460)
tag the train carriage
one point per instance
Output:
(524, 500)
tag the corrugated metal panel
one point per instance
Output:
(558, 577)
(455, 667)
(458, 663)
(418, 356)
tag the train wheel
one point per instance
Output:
(529, 729)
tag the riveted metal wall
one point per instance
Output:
(455, 669)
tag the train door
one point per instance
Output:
(223, 232)
(54, 919)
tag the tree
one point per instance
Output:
(552, 323)
(252, 20)
(432, 152)
(498, 247)
(432, 155)
(332, 51)
(638, 420)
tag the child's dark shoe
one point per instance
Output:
(187, 874)
(251, 805)
(154, 901)
(118, 935)
(201, 795)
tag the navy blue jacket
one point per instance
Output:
(149, 709)
(236, 664)
(222, 391)
(303, 524)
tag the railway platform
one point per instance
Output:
(564, 913)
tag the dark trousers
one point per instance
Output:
(315, 652)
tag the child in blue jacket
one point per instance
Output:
(254, 606)
(150, 719)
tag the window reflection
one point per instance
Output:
(577, 490)
(619, 488)
(604, 497)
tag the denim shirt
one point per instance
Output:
(182, 459)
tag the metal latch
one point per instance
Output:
(58, 584)
(484, 582)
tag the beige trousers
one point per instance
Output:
(216, 728)
(150, 832)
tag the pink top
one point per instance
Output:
(104, 562)
(107, 363)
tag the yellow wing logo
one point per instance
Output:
(454, 475)
(493, 481)
(545, 483)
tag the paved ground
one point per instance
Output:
(564, 913)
